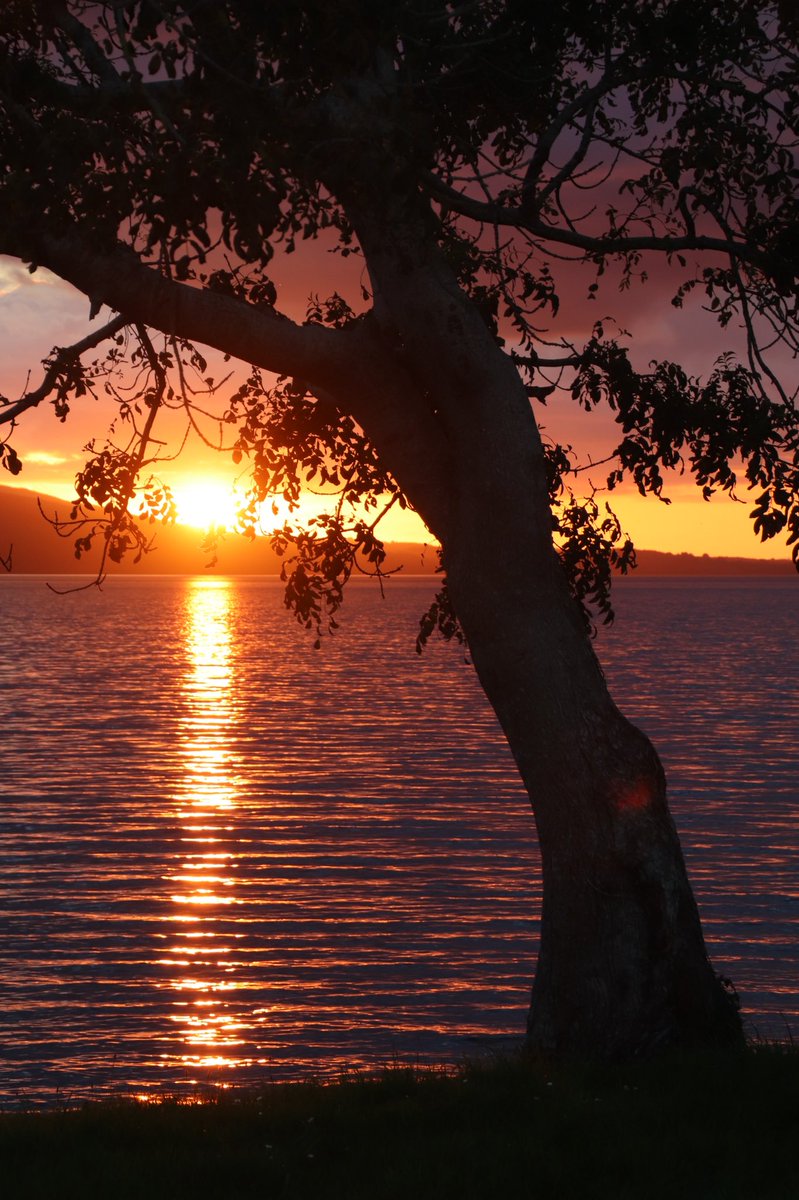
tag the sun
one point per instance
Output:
(205, 502)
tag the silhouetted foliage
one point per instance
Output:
(208, 137)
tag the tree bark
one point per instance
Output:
(622, 970)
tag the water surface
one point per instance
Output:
(228, 857)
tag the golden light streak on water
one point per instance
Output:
(207, 1030)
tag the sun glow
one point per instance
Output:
(209, 502)
(206, 502)
(203, 502)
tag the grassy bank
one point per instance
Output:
(710, 1127)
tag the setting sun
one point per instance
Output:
(206, 502)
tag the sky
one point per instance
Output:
(38, 311)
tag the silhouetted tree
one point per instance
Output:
(157, 155)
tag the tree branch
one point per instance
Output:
(138, 292)
(499, 214)
(82, 40)
(535, 202)
(587, 100)
(62, 357)
(353, 365)
(120, 95)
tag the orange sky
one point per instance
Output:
(39, 311)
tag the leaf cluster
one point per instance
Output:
(101, 509)
(723, 431)
(293, 442)
(319, 561)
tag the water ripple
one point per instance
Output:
(228, 857)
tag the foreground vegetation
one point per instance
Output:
(716, 1127)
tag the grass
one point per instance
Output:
(714, 1127)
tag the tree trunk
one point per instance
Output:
(622, 967)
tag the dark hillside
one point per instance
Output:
(37, 549)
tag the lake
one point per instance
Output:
(227, 857)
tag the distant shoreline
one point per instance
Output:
(37, 550)
(699, 569)
(659, 563)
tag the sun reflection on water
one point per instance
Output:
(201, 955)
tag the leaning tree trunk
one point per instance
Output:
(622, 966)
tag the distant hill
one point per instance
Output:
(37, 549)
(656, 562)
